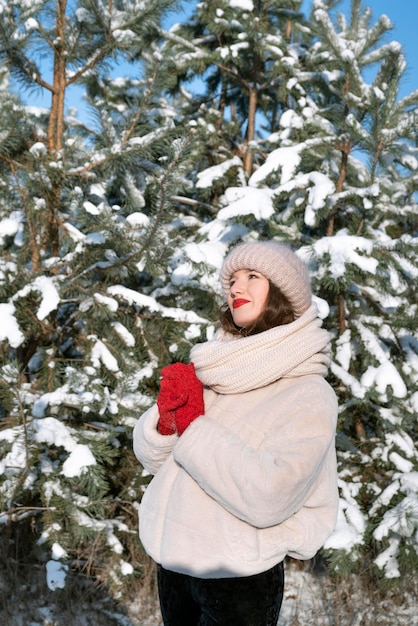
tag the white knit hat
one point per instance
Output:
(276, 262)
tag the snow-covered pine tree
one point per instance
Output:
(131, 279)
(363, 237)
(232, 60)
(338, 179)
(14, 133)
(88, 315)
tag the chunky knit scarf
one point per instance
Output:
(230, 364)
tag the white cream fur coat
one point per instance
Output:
(255, 478)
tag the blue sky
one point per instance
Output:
(402, 13)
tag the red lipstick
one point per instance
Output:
(239, 302)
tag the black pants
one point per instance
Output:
(247, 601)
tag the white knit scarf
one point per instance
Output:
(231, 364)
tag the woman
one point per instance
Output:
(241, 442)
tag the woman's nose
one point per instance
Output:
(237, 287)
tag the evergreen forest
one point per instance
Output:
(238, 120)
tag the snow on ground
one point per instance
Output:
(309, 600)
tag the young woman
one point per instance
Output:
(241, 443)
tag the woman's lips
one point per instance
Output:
(237, 303)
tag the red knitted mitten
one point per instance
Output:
(180, 400)
(194, 406)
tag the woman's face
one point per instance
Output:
(247, 297)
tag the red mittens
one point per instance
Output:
(180, 399)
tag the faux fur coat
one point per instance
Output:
(254, 479)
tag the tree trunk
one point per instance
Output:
(56, 127)
(252, 110)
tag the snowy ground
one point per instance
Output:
(310, 600)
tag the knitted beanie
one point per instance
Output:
(278, 263)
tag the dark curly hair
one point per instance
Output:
(278, 311)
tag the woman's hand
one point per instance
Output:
(180, 399)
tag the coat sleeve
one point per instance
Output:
(265, 484)
(150, 447)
